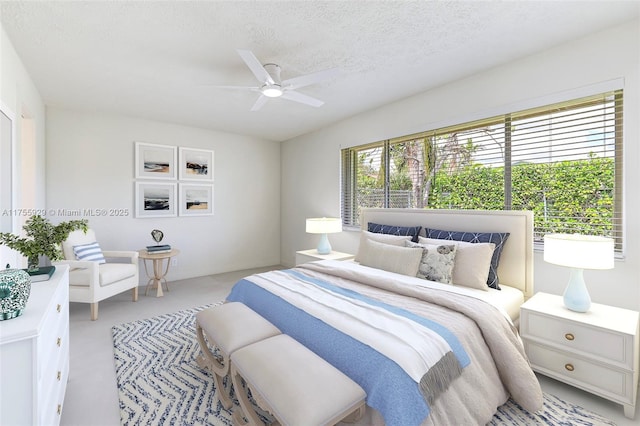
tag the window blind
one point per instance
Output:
(562, 161)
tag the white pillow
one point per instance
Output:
(401, 260)
(472, 263)
(437, 261)
(395, 240)
(90, 252)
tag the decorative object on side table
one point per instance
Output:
(44, 239)
(157, 235)
(578, 252)
(161, 248)
(324, 226)
(15, 288)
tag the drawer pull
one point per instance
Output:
(59, 307)
(569, 336)
(59, 341)
(569, 367)
(59, 409)
(59, 375)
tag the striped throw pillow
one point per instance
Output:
(90, 252)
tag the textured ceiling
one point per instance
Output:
(159, 60)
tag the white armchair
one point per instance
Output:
(91, 282)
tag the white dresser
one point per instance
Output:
(596, 351)
(34, 355)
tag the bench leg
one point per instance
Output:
(245, 409)
(355, 415)
(219, 370)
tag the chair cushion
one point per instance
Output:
(109, 274)
(91, 251)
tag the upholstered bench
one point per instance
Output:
(228, 327)
(294, 384)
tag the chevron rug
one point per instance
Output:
(160, 383)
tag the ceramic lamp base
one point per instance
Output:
(576, 296)
(323, 246)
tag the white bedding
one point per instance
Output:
(507, 298)
(496, 367)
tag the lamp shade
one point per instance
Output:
(579, 251)
(324, 225)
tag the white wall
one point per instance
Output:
(19, 94)
(90, 165)
(311, 166)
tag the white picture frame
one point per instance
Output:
(154, 199)
(196, 164)
(154, 161)
(196, 199)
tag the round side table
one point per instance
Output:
(158, 277)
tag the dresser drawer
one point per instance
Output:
(612, 383)
(55, 331)
(51, 407)
(55, 367)
(592, 342)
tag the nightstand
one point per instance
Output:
(304, 256)
(596, 351)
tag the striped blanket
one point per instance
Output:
(404, 361)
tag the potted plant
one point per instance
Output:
(43, 238)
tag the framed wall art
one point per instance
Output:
(156, 199)
(156, 161)
(196, 199)
(196, 164)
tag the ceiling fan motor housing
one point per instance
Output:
(272, 90)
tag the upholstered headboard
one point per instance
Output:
(516, 263)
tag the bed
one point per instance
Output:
(426, 352)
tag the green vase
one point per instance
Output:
(15, 288)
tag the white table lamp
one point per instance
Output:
(324, 226)
(578, 252)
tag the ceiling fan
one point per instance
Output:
(271, 85)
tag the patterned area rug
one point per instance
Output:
(160, 383)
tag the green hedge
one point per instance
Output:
(568, 196)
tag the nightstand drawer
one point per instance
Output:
(597, 378)
(589, 341)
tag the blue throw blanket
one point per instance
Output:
(390, 390)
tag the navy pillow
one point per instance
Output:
(395, 230)
(477, 237)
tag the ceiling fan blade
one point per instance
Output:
(303, 99)
(255, 66)
(253, 89)
(259, 103)
(308, 79)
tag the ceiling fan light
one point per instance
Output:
(272, 91)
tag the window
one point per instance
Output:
(562, 161)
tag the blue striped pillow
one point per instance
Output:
(90, 252)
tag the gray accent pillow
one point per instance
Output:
(472, 263)
(437, 261)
